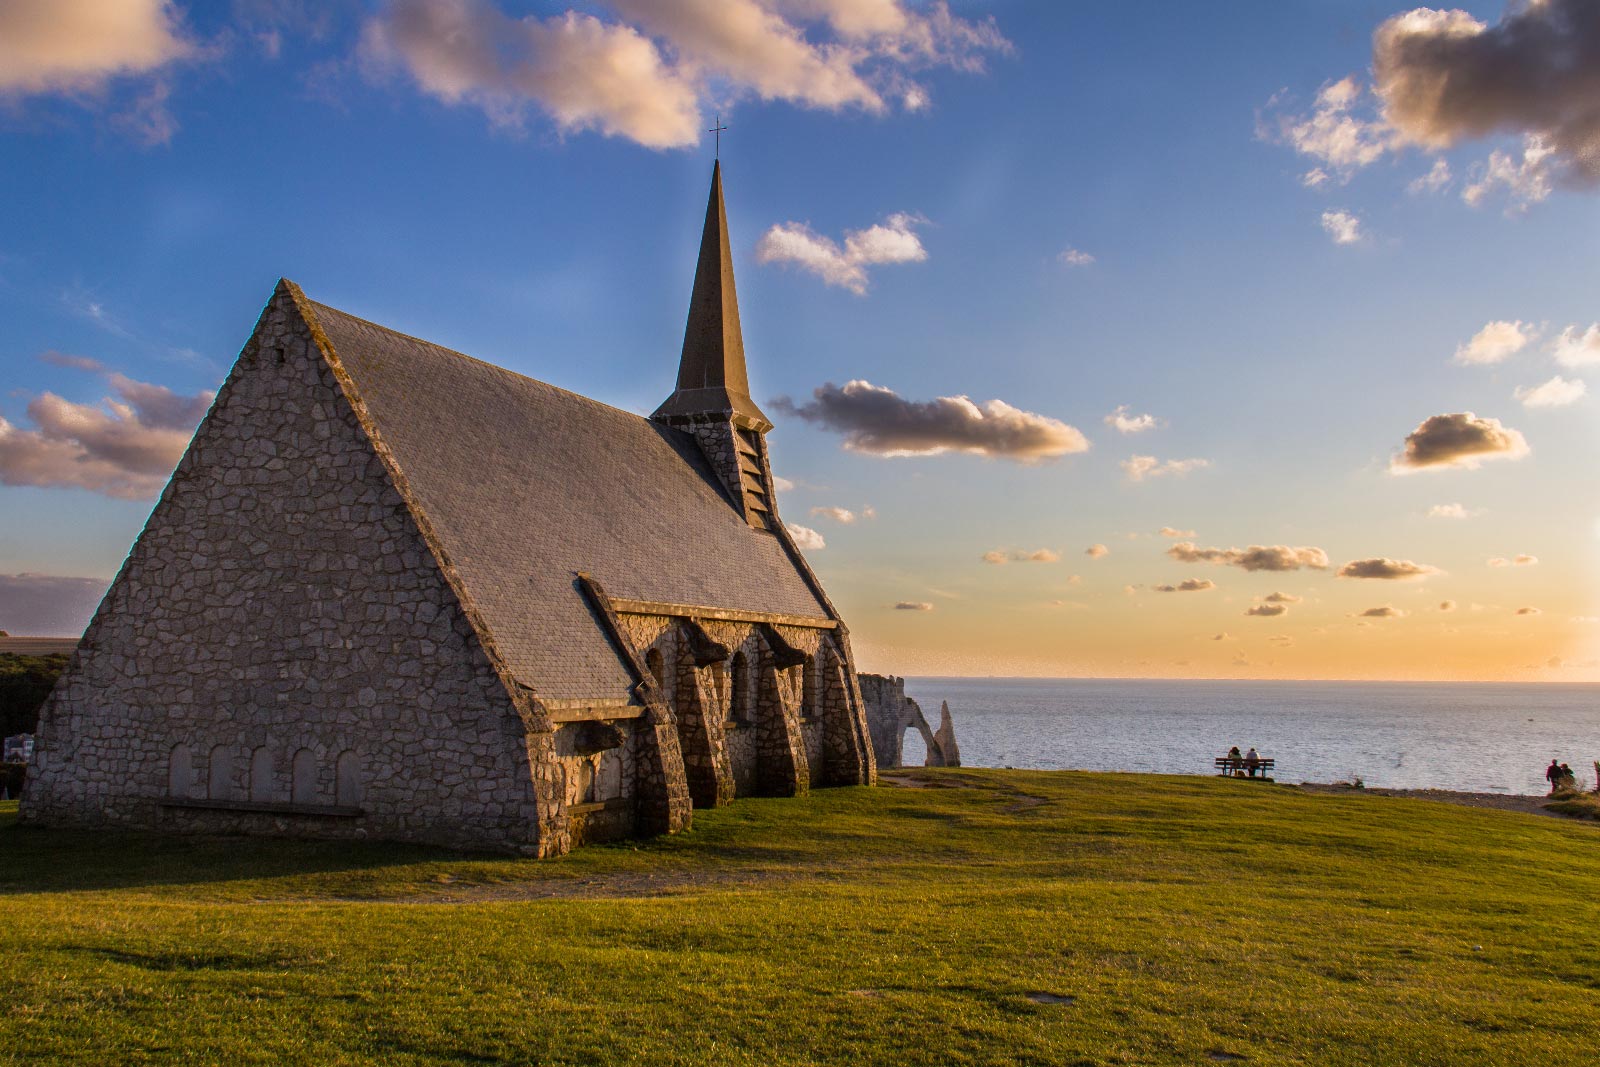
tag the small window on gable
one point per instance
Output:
(180, 772)
(219, 775)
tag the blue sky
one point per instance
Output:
(151, 203)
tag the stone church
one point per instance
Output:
(393, 592)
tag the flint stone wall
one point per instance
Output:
(282, 599)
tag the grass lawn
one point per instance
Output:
(988, 917)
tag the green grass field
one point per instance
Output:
(990, 917)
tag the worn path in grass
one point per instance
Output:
(987, 917)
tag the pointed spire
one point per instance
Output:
(711, 375)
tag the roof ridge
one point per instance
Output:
(486, 363)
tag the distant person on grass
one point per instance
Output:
(1552, 774)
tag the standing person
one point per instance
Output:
(1552, 774)
(1568, 779)
(1251, 761)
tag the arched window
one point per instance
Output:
(303, 775)
(263, 787)
(180, 771)
(658, 670)
(219, 775)
(741, 706)
(349, 789)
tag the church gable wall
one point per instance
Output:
(281, 639)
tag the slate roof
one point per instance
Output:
(526, 484)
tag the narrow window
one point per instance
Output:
(219, 775)
(303, 787)
(741, 708)
(808, 689)
(349, 791)
(262, 773)
(180, 772)
(658, 671)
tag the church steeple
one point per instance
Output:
(712, 382)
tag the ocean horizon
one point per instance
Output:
(1491, 737)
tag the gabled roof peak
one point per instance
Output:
(711, 374)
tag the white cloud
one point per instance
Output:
(1558, 392)
(880, 422)
(844, 516)
(1437, 179)
(1343, 226)
(1138, 468)
(1172, 531)
(76, 46)
(1124, 422)
(1074, 257)
(1523, 560)
(1381, 568)
(1097, 551)
(1496, 341)
(1267, 611)
(892, 241)
(1336, 133)
(1188, 585)
(1574, 349)
(648, 75)
(805, 537)
(1385, 612)
(1315, 178)
(913, 605)
(1528, 611)
(1451, 511)
(1526, 181)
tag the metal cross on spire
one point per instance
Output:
(718, 129)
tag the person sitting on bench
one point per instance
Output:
(1251, 761)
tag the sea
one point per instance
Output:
(1473, 737)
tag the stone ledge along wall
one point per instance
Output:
(890, 713)
(281, 636)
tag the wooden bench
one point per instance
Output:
(1230, 766)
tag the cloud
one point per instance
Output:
(1574, 349)
(47, 605)
(647, 75)
(1254, 558)
(1138, 468)
(1450, 511)
(1515, 561)
(1282, 598)
(1343, 226)
(913, 605)
(1097, 551)
(1121, 421)
(1188, 585)
(1380, 568)
(1335, 133)
(1073, 257)
(1558, 392)
(1447, 605)
(879, 422)
(1459, 440)
(805, 537)
(1495, 342)
(1436, 180)
(125, 448)
(1529, 611)
(1526, 181)
(1224, 636)
(891, 241)
(1446, 77)
(77, 46)
(1282, 640)
(844, 516)
(1267, 611)
(1385, 612)
(782, 484)
(1038, 555)
(1172, 531)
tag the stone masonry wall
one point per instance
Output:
(280, 634)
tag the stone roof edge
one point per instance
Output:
(519, 693)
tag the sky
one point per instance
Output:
(1246, 340)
